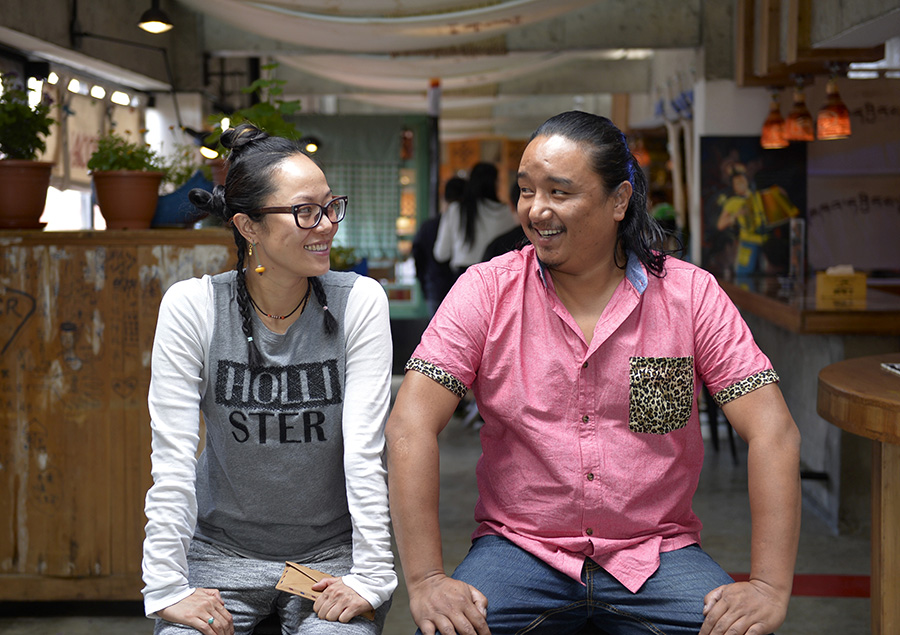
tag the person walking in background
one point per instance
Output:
(585, 352)
(515, 238)
(290, 366)
(468, 226)
(435, 278)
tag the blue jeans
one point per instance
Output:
(525, 595)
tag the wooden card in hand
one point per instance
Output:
(299, 580)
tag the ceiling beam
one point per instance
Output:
(799, 47)
(773, 45)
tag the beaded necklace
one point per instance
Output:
(282, 317)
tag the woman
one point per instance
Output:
(469, 226)
(289, 365)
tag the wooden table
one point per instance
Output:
(858, 396)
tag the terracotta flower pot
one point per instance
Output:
(23, 193)
(219, 170)
(127, 199)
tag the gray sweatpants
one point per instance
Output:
(247, 587)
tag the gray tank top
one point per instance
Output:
(270, 481)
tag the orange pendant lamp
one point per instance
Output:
(639, 150)
(798, 126)
(772, 136)
(833, 120)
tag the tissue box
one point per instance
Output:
(840, 291)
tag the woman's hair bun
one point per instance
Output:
(209, 202)
(237, 138)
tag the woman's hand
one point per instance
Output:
(197, 609)
(338, 602)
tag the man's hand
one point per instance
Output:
(747, 608)
(338, 602)
(195, 611)
(440, 604)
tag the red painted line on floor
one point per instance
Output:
(825, 585)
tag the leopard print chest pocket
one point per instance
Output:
(661, 393)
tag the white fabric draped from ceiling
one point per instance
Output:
(381, 33)
(412, 74)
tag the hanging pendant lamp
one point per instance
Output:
(639, 150)
(154, 20)
(772, 136)
(833, 120)
(798, 126)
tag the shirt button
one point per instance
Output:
(584, 365)
(590, 476)
(589, 531)
(585, 418)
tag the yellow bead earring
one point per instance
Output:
(260, 269)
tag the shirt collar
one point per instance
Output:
(542, 270)
(634, 272)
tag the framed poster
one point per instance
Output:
(749, 197)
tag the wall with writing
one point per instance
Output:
(853, 201)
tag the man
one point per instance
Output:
(435, 278)
(585, 352)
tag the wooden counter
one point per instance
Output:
(78, 313)
(800, 340)
(794, 309)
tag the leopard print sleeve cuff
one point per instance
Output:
(745, 386)
(439, 375)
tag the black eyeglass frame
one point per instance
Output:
(294, 209)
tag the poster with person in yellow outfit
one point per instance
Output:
(750, 197)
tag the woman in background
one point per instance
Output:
(469, 226)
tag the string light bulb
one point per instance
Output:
(310, 145)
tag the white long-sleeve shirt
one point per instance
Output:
(493, 219)
(182, 382)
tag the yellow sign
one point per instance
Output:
(840, 291)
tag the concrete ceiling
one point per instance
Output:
(504, 65)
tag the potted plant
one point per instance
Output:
(127, 176)
(184, 171)
(23, 179)
(345, 259)
(269, 113)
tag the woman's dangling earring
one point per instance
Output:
(260, 269)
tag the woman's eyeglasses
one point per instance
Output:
(309, 215)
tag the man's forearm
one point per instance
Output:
(414, 486)
(775, 505)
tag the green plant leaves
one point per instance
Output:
(23, 129)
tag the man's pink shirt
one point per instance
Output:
(590, 450)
